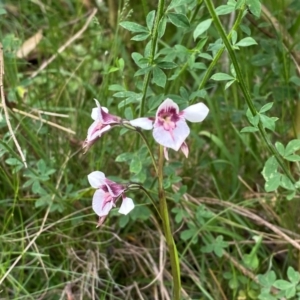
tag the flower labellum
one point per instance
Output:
(107, 194)
(103, 121)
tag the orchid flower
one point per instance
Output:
(103, 121)
(169, 126)
(107, 194)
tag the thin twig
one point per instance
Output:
(6, 110)
(67, 44)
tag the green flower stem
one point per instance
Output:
(159, 14)
(128, 126)
(167, 228)
(220, 52)
(149, 149)
(244, 88)
(151, 199)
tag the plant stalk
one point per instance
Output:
(159, 14)
(167, 228)
(245, 90)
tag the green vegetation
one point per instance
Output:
(233, 203)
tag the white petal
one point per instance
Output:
(166, 106)
(144, 123)
(96, 179)
(171, 139)
(98, 201)
(166, 154)
(96, 114)
(126, 206)
(196, 112)
(101, 107)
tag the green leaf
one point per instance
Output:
(179, 20)
(150, 19)
(166, 65)
(249, 129)
(224, 9)
(268, 122)
(279, 146)
(267, 279)
(273, 183)
(295, 79)
(222, 76)
(189, 234)
(124, 157)
(159, 77)
(162, 27)
(201, 28)
(266, 107)
(134, 27)
(140, 37)
(176, 3)
(292, 157)
(286, 183)
(283, 284)
(291, 196)
(143, 71)
(253, 120)
(293, 276)
(135, 165)
(229, 83)
(255, 7)
(248, 41)
(234, 37)
(292, 147)
(139, 59)
(2, 11)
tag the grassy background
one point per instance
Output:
(50, 248)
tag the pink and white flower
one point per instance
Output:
(107, 194)
(103, 121)
(169, 126)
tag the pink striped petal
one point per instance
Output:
(115, 189)
(101, 203)
(185, 149)
(166, 107)
(171, 138)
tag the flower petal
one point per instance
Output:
(96, 179)
(196, 112)
(114, 189)
(166, 106)
(100, 204)
(102, 107)
(171, 138)
(185, 149)
(166, 154)
(96, 114)
(96, 130)
(144, 123)
(126, 206)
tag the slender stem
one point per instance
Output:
(149, 149)
(128, 126)
(220, 52)
(151, 199)
(167, 228)
(159, 14)
(244, 87)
